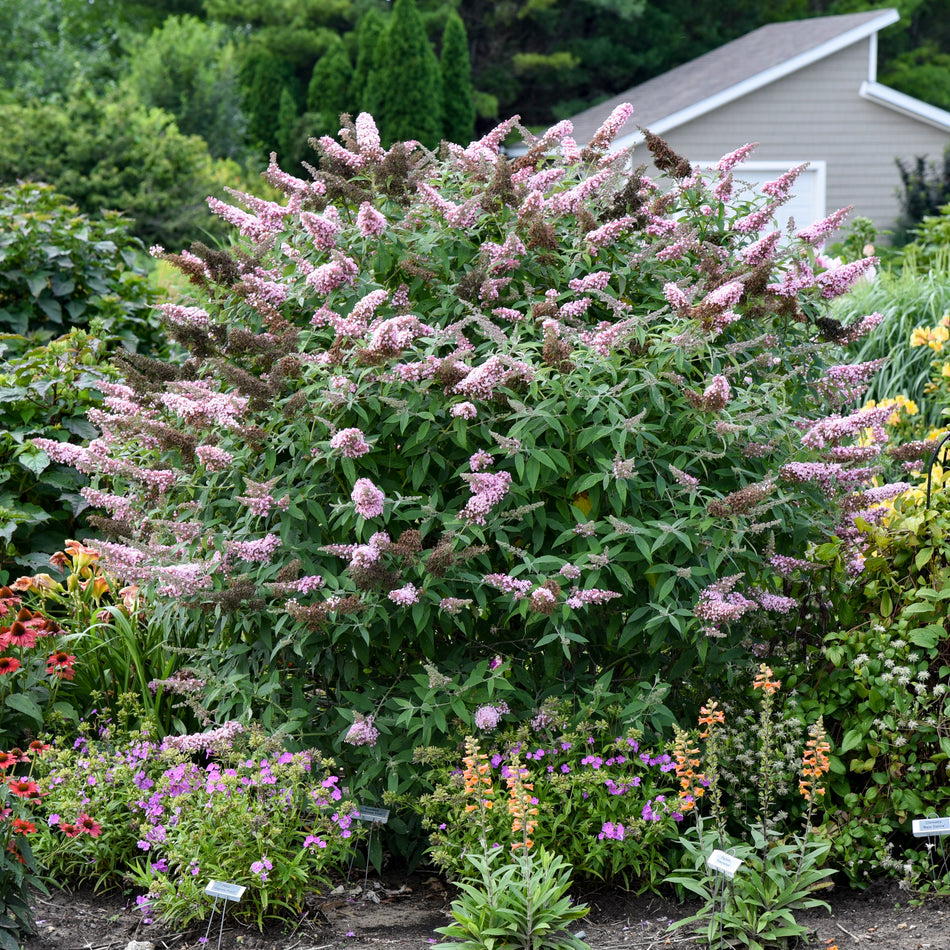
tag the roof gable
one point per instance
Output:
(736, 69)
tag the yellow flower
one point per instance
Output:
(920, 337)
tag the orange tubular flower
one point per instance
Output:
(692, 782)
(478, 783)
(764, 681)
(815, 761)
(710, 715)
(523, 820)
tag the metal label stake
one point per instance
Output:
(227, 892)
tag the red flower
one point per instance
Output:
(88, 825)
(60, 664)
(7, 759)
(23, 787)
(23, 827)
(69, 829)
(37, 747)
(8, 664)
(15, 851)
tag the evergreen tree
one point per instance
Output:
(286, 132)
(368, 31)
(330, 90)
(264, 78)
(405, 86)
(458, 111)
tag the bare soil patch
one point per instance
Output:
(403, 912)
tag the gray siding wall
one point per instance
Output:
(816, 114)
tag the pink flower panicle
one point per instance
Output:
(817, 232)
(405, 596)
(370, 222)
(362, 732)
(508, 584)
(463, 410)
(835, 429)
(487, 718)
(367, 499)
(839, 280)
(780, 188)
(605, 135)
(350, 443)
(488, 489)
(582, 598)
(728, 162)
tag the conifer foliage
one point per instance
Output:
(459, 111)
(439, 411)
(404, 89)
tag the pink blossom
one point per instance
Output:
(835, 429)
(598, 280)
(464, 410)
(370, 221)
(362, 732)
(487, 718)
(607, 233)
(488, 489)
(508, 584)
(322, 228)
(367, 498)
(780, 187)
(259, 552)
(581, 598)
(761, 250)
(405, 596)
(816, 233)
(213, 458)
(367, 137)
(350, 443)
(728, 162)
(481, 459)
(839, 280)
(496, 371)
(675, 296)
(328, 277)
(612, 125)
(570, 571)
(506, 313)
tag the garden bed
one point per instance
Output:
(402, 914)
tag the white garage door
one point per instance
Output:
(807, 204)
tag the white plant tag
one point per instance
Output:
(925, 827)
(726, 863)
(230, 892)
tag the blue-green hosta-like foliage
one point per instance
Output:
(440, 410)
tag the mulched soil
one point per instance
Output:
(401, 913)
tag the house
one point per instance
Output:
(806, 91)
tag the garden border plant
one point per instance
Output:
(443, 408)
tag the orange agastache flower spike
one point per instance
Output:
(764, 681)
(815, 762)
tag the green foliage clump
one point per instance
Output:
(458, 107)
(189, 69)
(879, 677)
(606, 801)
(440, 410)
(62, 269)
(44, 391)
(108, 151)
(252, 813)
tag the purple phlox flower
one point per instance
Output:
(611, 831)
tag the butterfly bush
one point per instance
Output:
(547, 407)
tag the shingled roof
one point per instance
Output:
(736, 69)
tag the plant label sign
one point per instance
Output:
(926, 827)
(229, 892)
(726, 863)
(374, 815)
